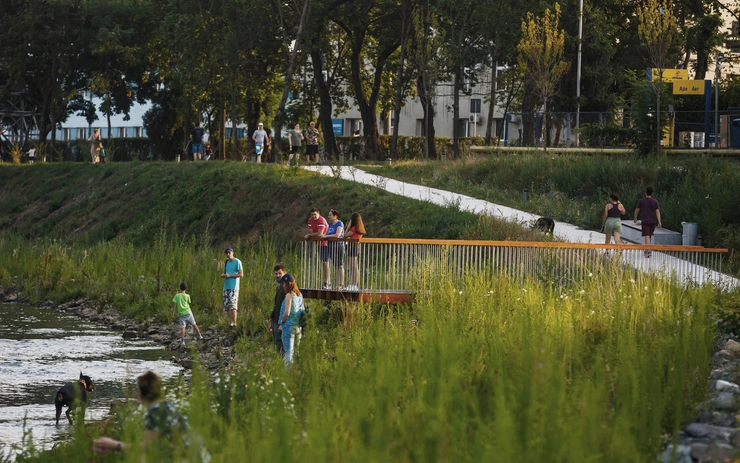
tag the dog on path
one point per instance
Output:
(73, 395)
(545, 225)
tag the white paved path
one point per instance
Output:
(659, 263)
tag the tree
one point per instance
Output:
(541, 56)
(659, 31)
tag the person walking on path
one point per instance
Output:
(181, 306)
(296, 140)
(261, 140)
(611, 222)
(312, 142)
(317, 226)
(290, 316)
(278, 272)
(233, 271)
(335, 250)
(95, 147)
(355, 231)
(196, 140)
(649, 211)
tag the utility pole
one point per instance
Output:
(718, 59)
(578, 73)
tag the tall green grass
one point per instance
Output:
(603, 370)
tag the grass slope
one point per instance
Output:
(214, 201)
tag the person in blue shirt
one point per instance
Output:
(233, 271)
(290, 316)
(335, 251)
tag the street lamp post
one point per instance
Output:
(578, 73)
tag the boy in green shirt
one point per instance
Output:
(181, 303)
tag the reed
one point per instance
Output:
(604, 369)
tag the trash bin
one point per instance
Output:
(690, 232)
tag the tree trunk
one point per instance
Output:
(222, 131)
(406, 29)
(278, 123)
(456, 112)
(657, 111)
(491, 104)
(234, 72)
(325, 104)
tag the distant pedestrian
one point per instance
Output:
(611, 222)
(296, 140)
(208, 153)
(317, 226)
(290, 316)
(31, 155)
(233, 271)
(649, 211)
(261, 140)
(312, 142)
(96, 146)
(355, 230)
(196, 140)
(335, 250)
(181, 306)
(278, 272)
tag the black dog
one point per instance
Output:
(545, 225)
(73, 395)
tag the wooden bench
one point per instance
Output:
(632, 232)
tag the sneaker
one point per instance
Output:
(182, 342)
(326, 286)
(200, 336)
(352, 288)
(648, 254)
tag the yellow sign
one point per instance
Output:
(688, 87)
(671, 74)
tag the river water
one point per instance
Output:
(43, 348)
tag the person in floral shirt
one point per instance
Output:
(312, 142)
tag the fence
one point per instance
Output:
(388, 270)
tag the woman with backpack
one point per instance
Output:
(289, 320)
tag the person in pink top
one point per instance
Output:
(355, 230)
(317, 226)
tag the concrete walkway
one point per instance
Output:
(659, 262)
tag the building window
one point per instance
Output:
(421, 129)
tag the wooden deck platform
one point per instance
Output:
(377, 296)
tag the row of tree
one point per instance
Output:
(291, 60)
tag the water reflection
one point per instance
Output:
(41, 349)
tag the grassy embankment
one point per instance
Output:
(127, 234)
(575, 188)
(601, 369)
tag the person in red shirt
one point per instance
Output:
(317, 226)
(355, 230)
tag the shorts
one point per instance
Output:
(258, 148)
(197, 148)
(231, 299)
(334, 253)
(294, 149)
(353, 249)
(648, 229)
(612, 225)
(312, 149)
(187, 319)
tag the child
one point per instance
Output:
(181, 303)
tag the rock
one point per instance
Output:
(722, 385)
(732, 347)
(723, 419)
(683, 454)
(717, 453)
(725, 401)
(698, 430)
(187, 363)
(130, 334)
(717, 373)
(11, 297)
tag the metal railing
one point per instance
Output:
(400, 265)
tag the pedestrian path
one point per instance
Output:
(659, 263)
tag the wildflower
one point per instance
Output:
(583, 291)
(590, 274)
(518, 298)
(645, 288)
(657, 292)
(460, 293)
(632, 280)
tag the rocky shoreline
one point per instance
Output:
(714, 435)
(215, 351)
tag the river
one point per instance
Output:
(43, 348)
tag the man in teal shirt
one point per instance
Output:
(232, 272)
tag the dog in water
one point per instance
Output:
(545, 225)
(73, 395)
